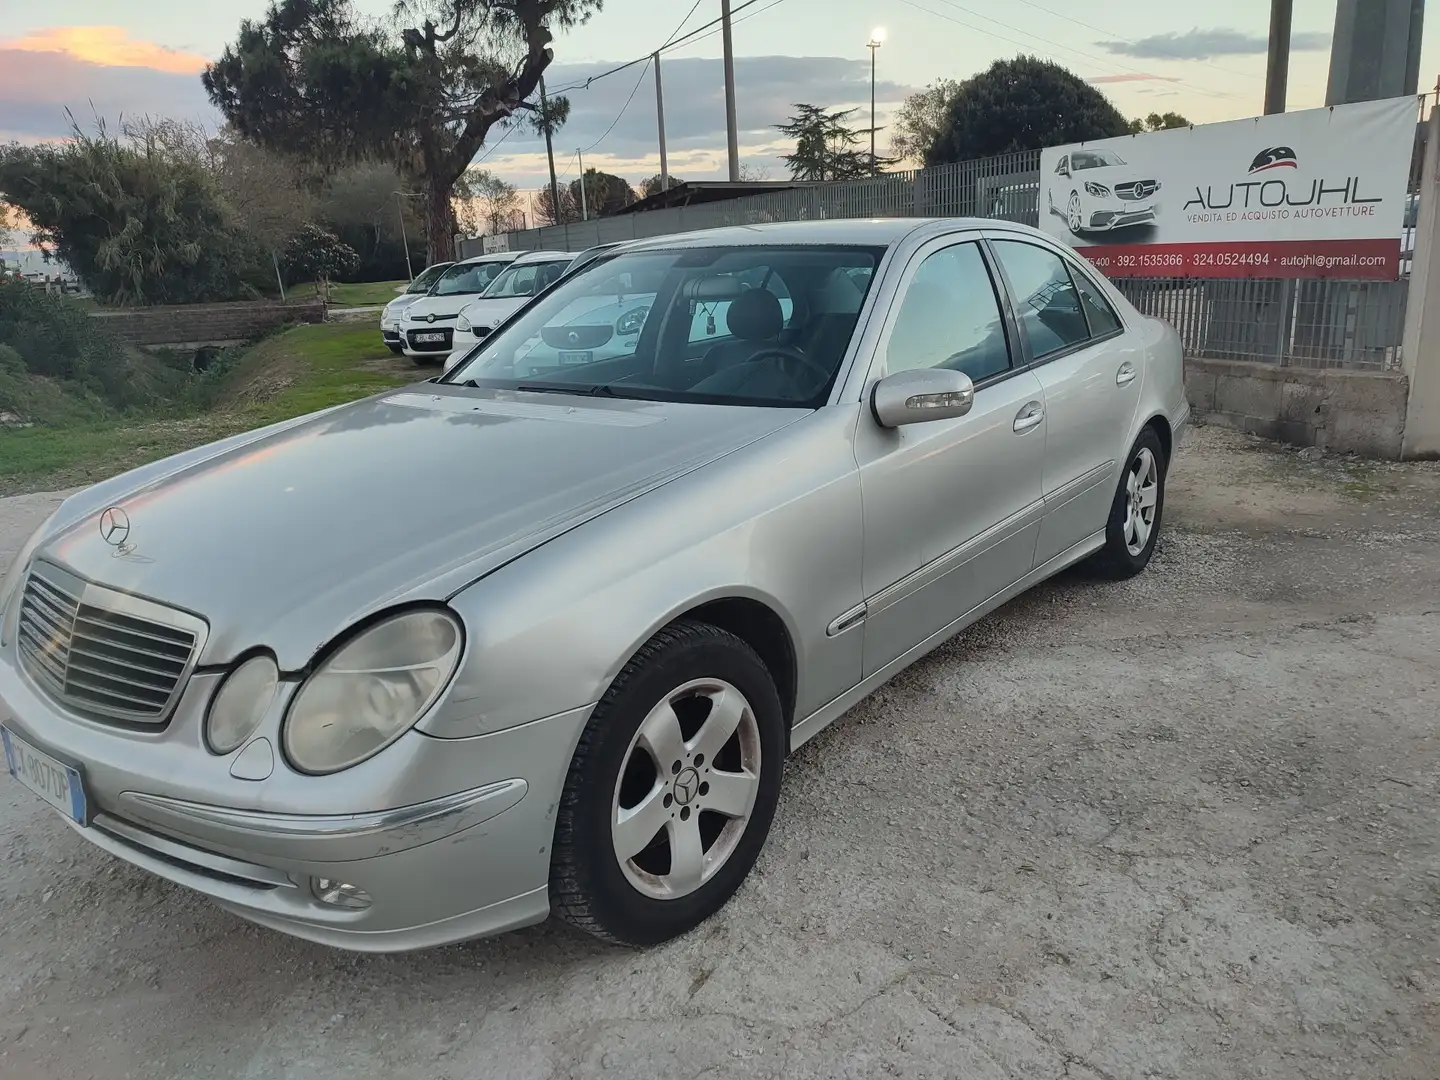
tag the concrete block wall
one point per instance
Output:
(1344, 411)
(193, 325)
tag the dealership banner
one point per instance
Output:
(1318, 193)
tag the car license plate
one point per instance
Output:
(429, 337)
(56, 783)
(576, 357)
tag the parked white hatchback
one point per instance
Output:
(427, 325)
(529, 275)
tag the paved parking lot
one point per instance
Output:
(1184, 827)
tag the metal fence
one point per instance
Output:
(1315, 323)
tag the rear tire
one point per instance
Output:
(672, 789)
(1136, 513)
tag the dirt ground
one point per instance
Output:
(1182, 828)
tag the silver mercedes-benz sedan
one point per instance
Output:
(540, 634)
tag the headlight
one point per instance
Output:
(1100, 191)
(462, 323)
(240, 704)
(10, 583)
(372, 690)
(632, 321)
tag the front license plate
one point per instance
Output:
(56, 783)
(576, 357)
(429, 337)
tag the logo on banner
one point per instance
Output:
(1277, 157)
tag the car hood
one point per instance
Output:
(401, 304)
(438, 305)
(491, 310)
(288, 538)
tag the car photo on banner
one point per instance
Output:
(1310, 194)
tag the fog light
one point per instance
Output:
(341, 894)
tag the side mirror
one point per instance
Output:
(913, 397)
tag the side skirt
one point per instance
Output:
(828, 713)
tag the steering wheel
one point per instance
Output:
(788, 352)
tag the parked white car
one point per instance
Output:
(427, 325)
(1096, 191)
(529, 275)
(395, 310)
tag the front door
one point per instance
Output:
(951, 507)
(1091, 376)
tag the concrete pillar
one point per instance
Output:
(1375, 53)
(1420, 352)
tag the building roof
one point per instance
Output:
(695, 192)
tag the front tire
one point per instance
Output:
(672, 789)
(1075, 217)
(1136, 513)
(396, 349)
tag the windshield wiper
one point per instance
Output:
(598, 390)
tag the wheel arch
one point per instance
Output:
(761, 627)
(1161, 426)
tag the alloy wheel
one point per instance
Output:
(687, 789)
(1142, 492)
(1074, 217)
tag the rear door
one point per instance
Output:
(1090, 374)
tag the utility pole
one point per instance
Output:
(731, 135)
(1277, 71)
(876, 40)
(550, 153)
(584, 206)
(660, 118)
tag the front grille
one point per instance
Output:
(1136, 190)
(102, 652)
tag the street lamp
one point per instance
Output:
(877, 38)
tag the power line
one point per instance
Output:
(674, 43)
(1024, 45)
(683, 21)
(634, 90)
(1121, 37)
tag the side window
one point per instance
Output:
(1045, 297)
(950, 317)
(1103, 320)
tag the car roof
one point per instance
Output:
(493, 256)
(545, 256)
(858, 231)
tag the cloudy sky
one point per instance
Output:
(107, 58)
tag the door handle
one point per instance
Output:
(1126, 375)
(1029, 417)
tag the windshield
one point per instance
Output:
(526, 279)
(1094, 159)
(465, 279)
(427, 278)
(722, 325)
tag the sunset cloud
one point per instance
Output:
(108, 46)
(1139, 76)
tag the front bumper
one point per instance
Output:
(1120, 215)
(414, 347)
(449, 838)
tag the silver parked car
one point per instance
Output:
(433, 664)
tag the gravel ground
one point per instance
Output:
(1179, 828)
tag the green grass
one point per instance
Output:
(299, 371)
(360, 294)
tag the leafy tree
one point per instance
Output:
(359, 204)
(316, 254)
(651, 185)
(313, 78)
(1158, 122)
(605, 193)
(1022, 104)
(920, 118)
(490, 202)
(826, 147)
(138, 221)
(545, 211)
